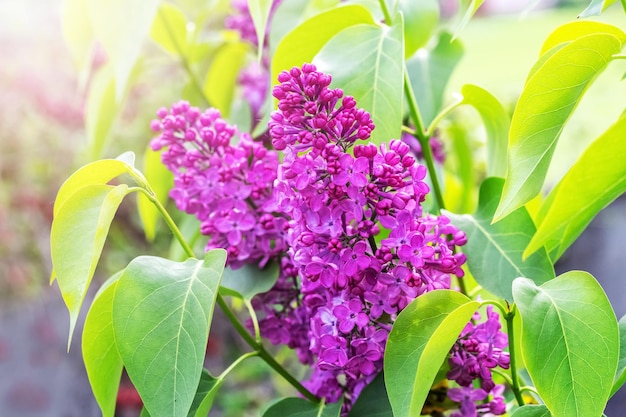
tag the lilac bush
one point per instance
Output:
(405, 273)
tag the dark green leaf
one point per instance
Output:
(429, 71)
(102, 362)
(371, 70)
(305, 41)
(591, 184)
(373, 400)
(249, 280)
(570, 342)
(77, 237)
(162, 313)
(418, 343)
(205, 394)
(494, 251)
(546, 103)
(298, 407)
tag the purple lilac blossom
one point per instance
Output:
(478, 350)
(338, 194)
(227, 186)
(318, 213)
(436, 146)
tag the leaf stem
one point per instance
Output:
(237, 362)
(442, 114)
(515, 387)
(422, 138)
(385, 10)
(257, 346)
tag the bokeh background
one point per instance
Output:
(43, 140)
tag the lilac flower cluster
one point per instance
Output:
(352, 285)
(227, 186)
(478, 350)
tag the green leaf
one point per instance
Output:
(472, 7)
(591, 184)
(595, 8)
(221, 79)
(169, 30)
(95, 173)
(546, 103)
(373, 400)
(418, 343)
(161, 180)
(420, 21)
(290, 14)
(101, 111)
(162, 312)
(260, 12)
(620, 375)
(371, 71)
(570, 342)
(102, 362)
(205, 394)
(532, 411)
(305, 41)
(249, 280)
(496, 122)
(494, 251)
(577, 29)
(121, 26)
(77, 237)
(298, 407)
(430, 70)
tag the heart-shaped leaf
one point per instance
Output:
(494, 251)
(77, 237)
(102, 362)
(546, 103)
(570, 342)
(418, 343)
(371, 71)
(305, 41)
(591, 184)
(162, 313)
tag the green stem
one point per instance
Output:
(423, 139)
(442, 114)
(183, 59)
(385, 10)
(515, 387)
(237, 362)
(228, 312)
